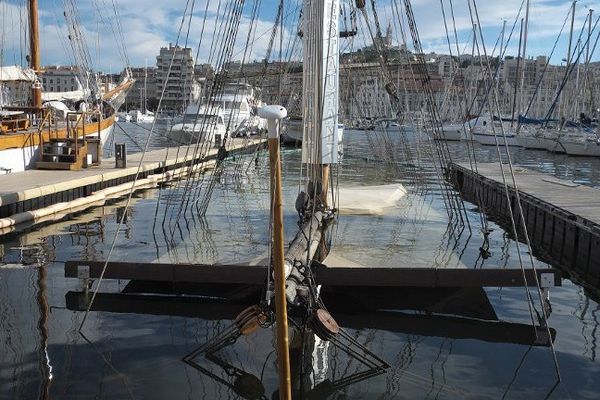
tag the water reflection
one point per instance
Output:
(137, 340)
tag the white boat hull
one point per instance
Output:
(182, 135)
(585, 148)
(451, 133)
(293, 133)
(554, 146)
(491, 140)
(21, 159)
(145, 119)
(531, 142)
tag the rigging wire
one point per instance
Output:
(129, 197)
(473, 11)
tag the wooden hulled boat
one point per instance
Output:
(38, 136)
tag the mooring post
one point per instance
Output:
(273, 114)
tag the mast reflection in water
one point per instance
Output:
(481, 347)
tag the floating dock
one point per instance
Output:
(354, 294)
(562, 217)
(30, 190)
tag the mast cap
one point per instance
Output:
(272, 112)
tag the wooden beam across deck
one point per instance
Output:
(339, 276)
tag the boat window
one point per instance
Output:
(201, 119)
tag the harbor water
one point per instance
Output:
(138, 353)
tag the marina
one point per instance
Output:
(142, 305)
(299, 200)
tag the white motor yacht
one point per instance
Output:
(200, 123)
(239, 104)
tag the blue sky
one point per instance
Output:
(149, 24)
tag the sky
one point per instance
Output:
(147, 25)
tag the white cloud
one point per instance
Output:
(149, 24)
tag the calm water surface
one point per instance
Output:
(138, 355)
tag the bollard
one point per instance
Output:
(120, 155)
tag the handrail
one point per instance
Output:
(47, 114)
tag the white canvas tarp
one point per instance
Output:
(16, 73)
(15, 85)
(74, 95)
(368, 200)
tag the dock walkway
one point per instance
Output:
(34, 189)
(562, 218)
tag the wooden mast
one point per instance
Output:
(34, 57)
(274, 114)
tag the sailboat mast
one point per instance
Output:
(34, 57)
(522, 88)
(514, 105)
(571, 34)
(587, 62)
(500, 54)
(145, 86)
(568, 59)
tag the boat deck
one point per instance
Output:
(33, 189)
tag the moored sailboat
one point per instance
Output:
(31, 134)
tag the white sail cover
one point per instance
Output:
(15, 85)
(73, 95)
(320, 81)
(59, 108)
(368, 200)
(16, 73)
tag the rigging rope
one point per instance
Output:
(474, 14)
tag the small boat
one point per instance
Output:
(487, 138)
(199, 124)
(452, 132)
(123, 116)
(141, 117)
(292, 133)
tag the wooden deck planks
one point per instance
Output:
(580, 200)
(563, 219)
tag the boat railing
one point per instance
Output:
(45, 122)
